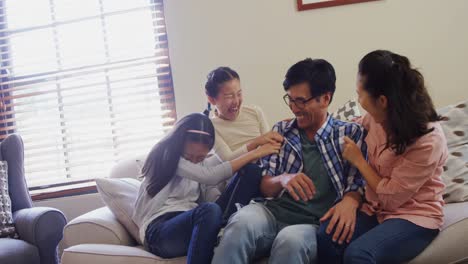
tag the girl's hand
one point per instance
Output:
(267, 149)
(352, 152)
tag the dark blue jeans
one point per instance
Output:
(194, 232)
(393, 241)
(244, 186)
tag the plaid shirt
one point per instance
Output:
(330, 142)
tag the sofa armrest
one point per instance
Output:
(99, 226)
(42, 227)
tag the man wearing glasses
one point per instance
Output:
(309, 179)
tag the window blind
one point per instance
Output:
(85, 83)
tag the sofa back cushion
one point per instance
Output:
(7, 228)
(129, 168)
(120, 196)
(455, 175)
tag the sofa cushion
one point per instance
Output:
(455, 175)
(120, 196)
(7, 228)
(113, 254)
(99, 226)
(128, 168)
(450, 245)
(18, 251)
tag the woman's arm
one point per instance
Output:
(419, 164)
(225, 152)
(205, 175)
(354, 177)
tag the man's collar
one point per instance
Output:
(323, 132)
(326, 129)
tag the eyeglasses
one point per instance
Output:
(299, 102)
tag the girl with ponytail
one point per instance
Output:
(406, 151)
(169, 211)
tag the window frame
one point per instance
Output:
(84, 186)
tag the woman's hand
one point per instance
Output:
(271, 137)
(352, 152)
(267, 149)
(343, 220)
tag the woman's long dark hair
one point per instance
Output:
(409, 108)
(162, 161)
(215, 79)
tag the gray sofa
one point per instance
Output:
(40, 229)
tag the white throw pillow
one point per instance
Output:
(120, 196)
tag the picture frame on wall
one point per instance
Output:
(313, 4)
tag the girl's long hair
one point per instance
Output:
(410, 107)
(161, 164)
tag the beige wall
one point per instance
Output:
(262, 38)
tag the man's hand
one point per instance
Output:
(298, 185)
(343, 216)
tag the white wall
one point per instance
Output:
(262, 38)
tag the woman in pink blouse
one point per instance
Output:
(407, 149)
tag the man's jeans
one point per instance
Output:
(194, 232)
(254, 232)
(393, 241)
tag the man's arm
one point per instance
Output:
(298, 185)
(271, 186)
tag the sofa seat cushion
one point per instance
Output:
(18, 251)
(454, 213)
(99, 226)
(450, 245)
(113, 254)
